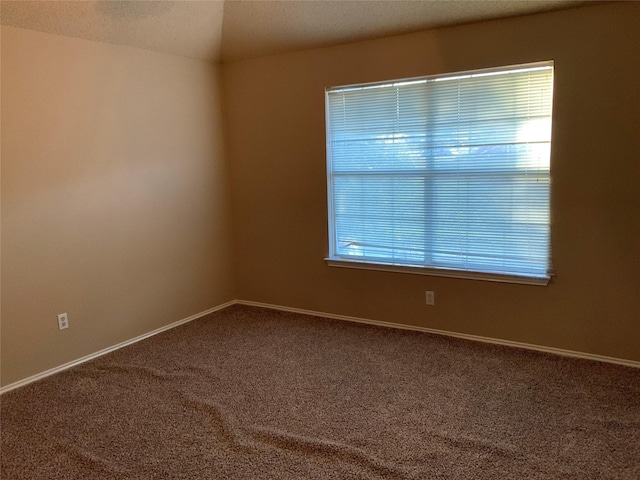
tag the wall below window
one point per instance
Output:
(115, 204)
(274, 113)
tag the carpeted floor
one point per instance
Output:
(250, 393)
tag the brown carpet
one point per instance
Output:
(249, 393)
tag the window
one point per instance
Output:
(445, 175)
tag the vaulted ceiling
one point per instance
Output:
(230, 30)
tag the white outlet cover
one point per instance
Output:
(63, 321)
(430, 298)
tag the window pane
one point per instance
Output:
(446, 172)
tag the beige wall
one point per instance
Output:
(114, 196)
(274, 113)
(115, 191)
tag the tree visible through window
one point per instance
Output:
(448, 172)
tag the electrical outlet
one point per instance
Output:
(431, 298)
(63, 321)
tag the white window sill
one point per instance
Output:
(439, 272)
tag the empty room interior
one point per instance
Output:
(320, 239)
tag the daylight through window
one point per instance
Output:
(447, 175)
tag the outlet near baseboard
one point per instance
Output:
(430, 297)
(63, 321)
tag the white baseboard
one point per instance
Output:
(73, 363)
(475, 338)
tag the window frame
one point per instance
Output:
(334, 260)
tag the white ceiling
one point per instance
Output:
(229, 30)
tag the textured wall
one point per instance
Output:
(274, 113)
(114, 196)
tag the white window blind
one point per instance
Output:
(448, 172)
